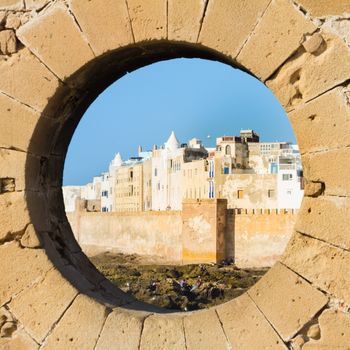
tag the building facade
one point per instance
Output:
(248, 173)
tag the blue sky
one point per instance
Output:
(193, 97)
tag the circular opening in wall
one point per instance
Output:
(182, 183)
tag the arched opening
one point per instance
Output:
(145, 197)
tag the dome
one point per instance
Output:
(117, 161)
(172, 144)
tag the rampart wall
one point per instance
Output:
(204, 231)
(147, 233)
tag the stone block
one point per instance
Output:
(335, 331)
(11, 5)
(106, 24)
(27, 80)
(325, 266)
(185, 19)
(275, 38)
(332, 168)
(203, 331)
(36, 4)
(24, 168)
(323, 123)
(30, 239)
(163, 332)
(148, 19)
(39, 307)
(237, 21)
(326, 218)
(295, 301)
(79, 327)
(298, 81)
(20, 268)
(20, 340)
(122, 330)
(246, 327)
(55, 38)
(8, 42)
(325, 8)
(13, 21)
(14, 215)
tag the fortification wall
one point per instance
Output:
(205, 231)
(145, 233)
(261, 236)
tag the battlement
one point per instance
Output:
(240, 211)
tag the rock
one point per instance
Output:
(298, 342)
(30, 238)
(7, 329)
(313, 43)
(8, 42)
(13, 21)
(2, 17)
(314, 332)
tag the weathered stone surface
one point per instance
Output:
(313, 43)
(36, 84)
(13, 21)
(14, 113)
(332, 168)
(335, 331)
(11, 4)
(122, 330)
(325, 266)
(30, 238)
(22, 167)
(16, 271)
(340, 26)
(40, 306)
(106, 24)
(148, 19)
(325, 8)
(275, 38)
(36, 4)
(297, 300)
(8, 42)
(49, 36)
(14, 215)
(79, 327)
(298, 81)
(163, 332)
(20, 340)
(203, 331)
(184, 19)
(326, 218)
(237, 20)
(246, 327)
(314, 189)
(323, 123)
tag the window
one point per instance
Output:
(240, 194)
(287, 177)
(155, 171)
(226, 170)
(271, 193)
(228, 150)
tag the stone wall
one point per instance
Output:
(145, 233)
(261, 236)
(68, 52)
(205, 231)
